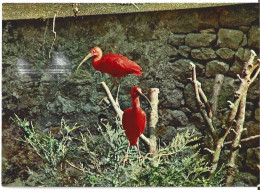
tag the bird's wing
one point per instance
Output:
(120, 63)
(129, 124)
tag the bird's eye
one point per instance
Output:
(94, 51)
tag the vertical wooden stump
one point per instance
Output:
(153, 93)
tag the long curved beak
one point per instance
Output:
(146, 99)
(85, 59)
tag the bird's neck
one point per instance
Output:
(97, 59)
(136, 103)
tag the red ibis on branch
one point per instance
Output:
(134, 120)
(112, 64)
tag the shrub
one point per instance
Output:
(96, 160)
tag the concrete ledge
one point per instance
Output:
(16, 11)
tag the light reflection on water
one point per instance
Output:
(59, 67)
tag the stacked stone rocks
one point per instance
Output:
(217, 40)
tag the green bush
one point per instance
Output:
(96, 160)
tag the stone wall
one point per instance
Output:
(217, 40)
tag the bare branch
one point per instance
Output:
(205, 100)
(236, 142)
(198, 92)
(53, 30)
(245, 140)
(115, 106)
(216, 90)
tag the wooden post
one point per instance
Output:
(153, 93)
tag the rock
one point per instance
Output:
(216, 67)
(244, 28)
(203, 54)
(248, 114)
(171, 98)
(225, 53)
(244, 42)
(184, 51)
(175, 118)
(252, 127)
(257, 114)
(234, 17)
(229, 38)
(253, 37)
(176, 39)
(236, 68)
(189, 97)
(181, 70)
(210, 30)
(245, 179)
(188, 21)
(241, 56)
(169, 134)
(200, 40)
(198, 121)
(252, 159)
(254, 90)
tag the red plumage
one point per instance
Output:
(134, 118)
(117, 65)
(112, 64)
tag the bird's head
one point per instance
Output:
(94, 52)
(136, 92)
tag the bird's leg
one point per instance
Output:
(117, 94)
(139, 153)
(126, 154)
(113, 83)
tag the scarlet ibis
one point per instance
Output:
(112, 64)
(134, 120)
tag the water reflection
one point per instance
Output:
(58, 68)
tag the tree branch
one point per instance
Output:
(236, 142)
(216, 90)
(244, 140)
(115, 106)
(240, 98)
(198, 92)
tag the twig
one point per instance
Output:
(198, 92)
(135, 6)
(53, 30)
(72, 165)
(115, 106)
(205, 100)
(245, 140)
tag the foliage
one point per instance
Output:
(96, 160)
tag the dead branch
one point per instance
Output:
(153, 120)
(216, 90)
(198, 92)
(245, 140)
(205, 100)
(119, 111)
(246, 80)
(236, 142)
(115, 106)
(53, 30)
